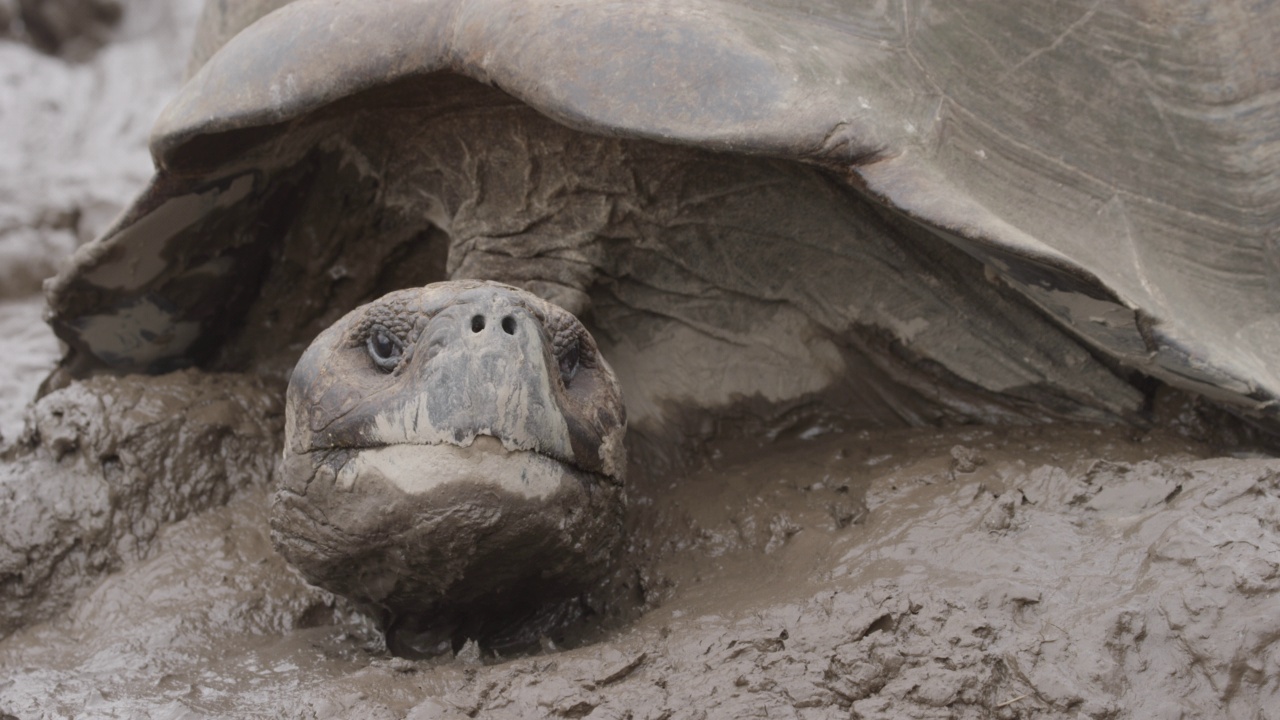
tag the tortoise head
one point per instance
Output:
(453, 361)
(452, 452)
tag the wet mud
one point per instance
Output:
(1057, 571)
(103, 464)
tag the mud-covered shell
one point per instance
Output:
(1118, 164)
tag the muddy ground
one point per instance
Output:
(1062, 571)
(1053, 571)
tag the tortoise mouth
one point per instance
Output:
(420, 468)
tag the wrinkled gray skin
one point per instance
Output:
(468, 467)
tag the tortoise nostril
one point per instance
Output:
(477, 323)
(509, 325)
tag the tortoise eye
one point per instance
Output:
(385, 349)
(569, 362)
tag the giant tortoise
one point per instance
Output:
(838, 213)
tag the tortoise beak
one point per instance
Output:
(480, 367)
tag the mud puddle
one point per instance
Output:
(1046, 572)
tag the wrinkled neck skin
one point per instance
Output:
(736, 292)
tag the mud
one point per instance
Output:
(31, 353)
(104, 464)
(1063, 571)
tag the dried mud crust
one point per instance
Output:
(1051, 572)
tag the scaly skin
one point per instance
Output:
(453, 454)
